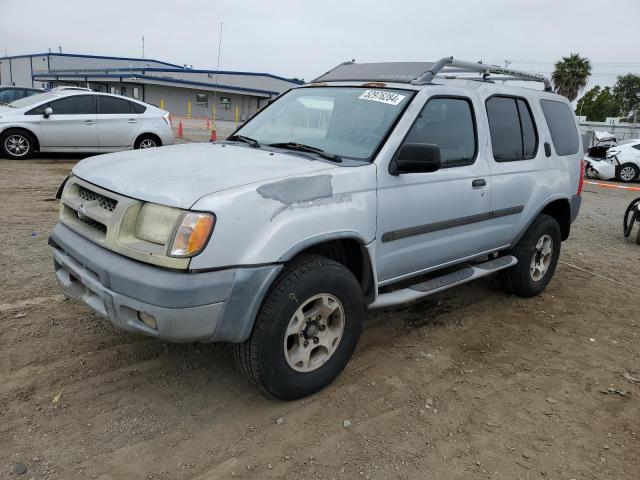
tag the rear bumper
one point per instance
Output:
(187, 307)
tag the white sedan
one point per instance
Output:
(74, 120)
(621, 162)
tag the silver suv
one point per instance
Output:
(374, 185)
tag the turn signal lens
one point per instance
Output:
(192, 234)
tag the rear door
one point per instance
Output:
(426, 220)
(118, 122)
(72, 123)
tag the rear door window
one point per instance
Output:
(113, 106)
(513, 131)
(562, 126)
(137, 108)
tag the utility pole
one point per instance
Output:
(215, 90)
(143, 46)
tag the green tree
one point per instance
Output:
(598, 104)
(570, 75)
(627, 92)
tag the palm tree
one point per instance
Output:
(570, 75)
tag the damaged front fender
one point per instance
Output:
(604, 169)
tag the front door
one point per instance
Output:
(72, 123)
(427, 220)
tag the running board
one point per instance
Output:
(424, 289)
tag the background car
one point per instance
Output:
(628, 157)
(74, 120)
(8, 93)
(620, 162)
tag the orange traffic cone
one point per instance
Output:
(214, 135)
(180, 129)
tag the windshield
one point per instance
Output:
(32, 100)
(346, 121)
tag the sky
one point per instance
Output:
(303, 39)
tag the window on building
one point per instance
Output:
(448, 123)
(73, 105)
(562, 126)
(135, 93)
(513, 131)
(202, 100)
(225, 103)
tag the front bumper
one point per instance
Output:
(211, 306)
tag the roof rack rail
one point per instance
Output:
(423, 73)
(449, 67)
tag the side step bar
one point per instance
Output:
(424, 289)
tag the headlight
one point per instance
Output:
(156, 223)
(192, 234)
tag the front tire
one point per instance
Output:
(537, 253)
(306, 331)
(17, 144)
(627, 172)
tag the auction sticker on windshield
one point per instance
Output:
(382, 97)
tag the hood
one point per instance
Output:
(179, 175)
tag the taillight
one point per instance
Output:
(581, 182)
(167, 118)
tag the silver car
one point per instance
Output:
(375, 185)
(73, 120)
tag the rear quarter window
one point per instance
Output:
(562, 126)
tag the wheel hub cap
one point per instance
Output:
(541, 259)
(314, 332)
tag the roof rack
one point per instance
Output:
(423, 73)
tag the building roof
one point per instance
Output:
(173, 67)
(153, 80)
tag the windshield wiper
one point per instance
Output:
(241, 138)
(307, 148)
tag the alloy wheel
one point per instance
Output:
(17, 145)
(314, 333)
(541, 258)
(147, 143)
(627, 173)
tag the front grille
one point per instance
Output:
(104, 202)
(93, 224)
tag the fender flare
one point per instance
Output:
(538, 211)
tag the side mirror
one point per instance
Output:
(48, 112)
(416, 158)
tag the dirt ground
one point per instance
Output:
(468, 384)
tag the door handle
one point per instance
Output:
(88, 122)
(547, 149)
(132, 120)
(479, 183)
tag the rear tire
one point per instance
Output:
(537, 253)
(316, 301)
(147, 140)
(17, 144)
(627, 172)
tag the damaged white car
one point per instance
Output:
(608, 161)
